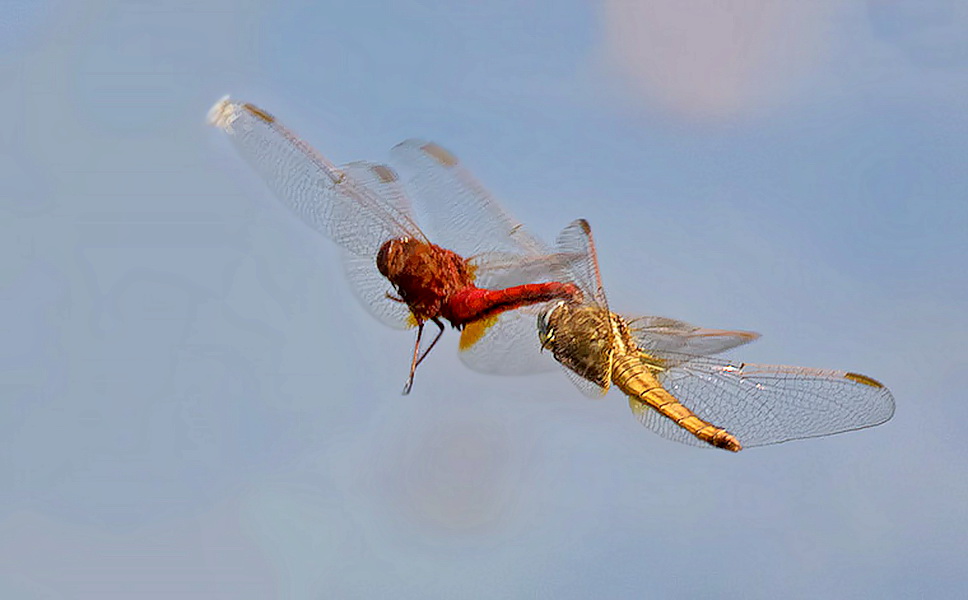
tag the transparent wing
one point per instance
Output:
(467, 219)
(506, 344)
(374, 291)
(368, 284)
(589, 388)
(577, 244)
(661, 335)
(464, 217)
(769, 404)
(497, 270)
(333, 201)
(664, 426)
(583, 347)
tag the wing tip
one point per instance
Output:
(412, 149)
(226, 112)
(223, 113)
(440, 154)
(864, 379)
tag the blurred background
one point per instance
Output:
(193, 404)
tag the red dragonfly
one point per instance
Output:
(364, 208)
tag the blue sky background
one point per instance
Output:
(193, 404)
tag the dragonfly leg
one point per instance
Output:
(440, 332)
(415, 361)
(394, 298)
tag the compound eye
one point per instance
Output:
(546, 333)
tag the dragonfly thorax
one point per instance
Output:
(622, 338)
(425, 276)
(581, 338)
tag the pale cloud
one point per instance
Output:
(710, 60)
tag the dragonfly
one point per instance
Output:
(403, 278)
(753, 405)
(679, 388)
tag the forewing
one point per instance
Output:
(769, 404)
(660, 335)
(333, 201)
(368, 284)
(577, 244)
(463, 215)
(465, 218)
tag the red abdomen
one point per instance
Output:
(475, 303)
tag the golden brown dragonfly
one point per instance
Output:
(676, 386)
(675, 383)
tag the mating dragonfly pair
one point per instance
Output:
(517, 303)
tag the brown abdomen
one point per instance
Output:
(631, 376)
(474, 303)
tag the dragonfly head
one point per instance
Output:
(546, 332)
(392, 256)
